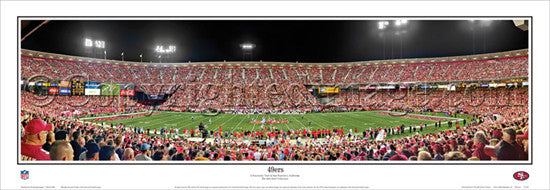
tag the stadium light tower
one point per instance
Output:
(383, 25)
(248, 48)
(95, 47)
(166, 51)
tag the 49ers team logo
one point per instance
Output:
(521, 175)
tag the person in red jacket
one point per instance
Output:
(35, 136)
(480, 140)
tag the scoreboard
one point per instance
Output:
(77, 88)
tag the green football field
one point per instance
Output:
(359, 120)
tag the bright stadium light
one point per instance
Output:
(381, 25)
(247, 46)
(88, 42)
(169, 50)
(398, 23)
(100, 44)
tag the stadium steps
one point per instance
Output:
(271, 73)
(387, 71)
(298, 74)
(135, 75)
(371, 75)
(361, 73)
(347, 74)
(230, 76)
(414, 74)
(334, 74)
(187, 76)
(321, 75)
(449, 66)
(459, 71)
(400, 72)
(216, 74)
(284, 72)
(175, 74)
(258, 74)
(200, 78)
(147, 72)
(430, 73)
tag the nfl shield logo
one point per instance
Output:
(24, 174)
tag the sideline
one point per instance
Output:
(82, 118)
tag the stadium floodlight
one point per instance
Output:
(247, 46)
(88, 42)
(381, 25)
(162, 50)
(400, 22)
(100, 44)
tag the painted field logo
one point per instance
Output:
(521, 175)
(24, 174)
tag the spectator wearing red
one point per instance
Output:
(35, 136)
(507, 149)
(480, 141)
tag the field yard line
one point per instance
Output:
(164, 117)
(239, 123)
(358, 118)
(213, 121)
(229, 119)
(178, 116)
(450, 118)
(113, 115)
(141, 118)
(198, 118)
(434, 116)
(326, 120)
(285, 123)
(298, 121)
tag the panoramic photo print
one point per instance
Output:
(369, 90)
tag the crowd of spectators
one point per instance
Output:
(49, 131)
(414, 72)
(63, 139)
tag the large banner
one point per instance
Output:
(110, 89)
(127, 92)
(92, 89)
(93, 85)
(92, 92)
(65, 91)
(54, 90)
(328, 90)
(65, 84)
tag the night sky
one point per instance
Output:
(282, 40)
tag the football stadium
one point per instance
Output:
(441, 106)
